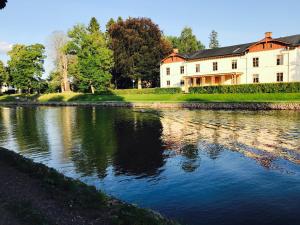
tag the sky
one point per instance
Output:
(236, 21)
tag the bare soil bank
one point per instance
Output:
(32, 193)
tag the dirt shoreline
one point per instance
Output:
(170, 105)
(31, 193)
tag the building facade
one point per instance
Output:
(266, 61)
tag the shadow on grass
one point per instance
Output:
(98, 97)
(19, 98)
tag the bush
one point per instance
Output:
(147, 91)
(248, 88)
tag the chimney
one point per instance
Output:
(268, 35)
(176, 50)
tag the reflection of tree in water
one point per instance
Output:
(98, 140)
(4, 123)
(191, 158)
(140, 150)
(29, 130)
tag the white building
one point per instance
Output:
(266, 61)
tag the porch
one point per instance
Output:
(210, 80)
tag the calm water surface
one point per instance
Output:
(199, 167)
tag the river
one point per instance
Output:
(196, 166)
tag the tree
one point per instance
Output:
(3, 75)
(213, 37)
(175, 41)
(188, 41)
(94, 59)
(3, 3)
(138, 47)
(58, 41)
(26, 65)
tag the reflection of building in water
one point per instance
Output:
(263, 136)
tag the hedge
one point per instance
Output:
(248, 88)
(147, 91)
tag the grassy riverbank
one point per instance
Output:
(78, 97)
(32, 193)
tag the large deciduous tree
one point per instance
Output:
(26, 65)
(58, 42)
(94, 60)
(138, 46)
(3, 75)
(187, 42)
(213, 40)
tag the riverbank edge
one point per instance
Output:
(171, 105)
(85, 196)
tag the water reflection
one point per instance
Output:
(233, 163)
(134, 141)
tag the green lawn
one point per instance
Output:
(78, 97)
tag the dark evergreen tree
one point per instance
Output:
(214, 42)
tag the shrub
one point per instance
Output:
(248, 88)
(147, 91)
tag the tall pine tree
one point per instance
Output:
(214, 42)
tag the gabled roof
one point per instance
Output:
(292, 41)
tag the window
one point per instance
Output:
(255, 62)
(279, 77)
(255, 78)
(215, 66)
(197, 68)
(181, 82)
(168, 71)
(182, 70)
(279, 60)
(234, 64)
(168, 83)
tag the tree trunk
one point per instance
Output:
(92, 89)
(65, 85)
(139, 83)
(20, 91)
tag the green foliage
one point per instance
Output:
(54, 82)
(3, 74)
(26, 65)
(187, 42)
(94, 59)
(175, 41)
(213, 38)
(147, 91)
(248, 88)
(138, 47)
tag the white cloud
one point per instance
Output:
(5, 47)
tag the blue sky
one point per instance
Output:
(237, 21)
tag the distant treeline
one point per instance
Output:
(87, 59)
